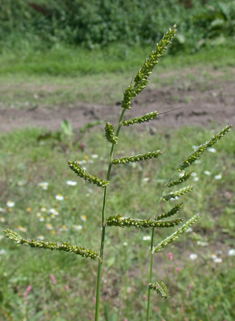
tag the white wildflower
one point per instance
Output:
(218, 176)
(211, 150)
(207, 173)
(231, 252)
(59, 197)
(193, 256)
(10, 204)
(44, 185)
(146, 179)
(71, 183)
(217, 260)
(146, 238)
(77, 227)
(22, 229)
(64, 228)
(49, 226)
(53, 211)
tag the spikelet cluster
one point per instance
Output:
(180, 180)
(178, 193)
(136, 158)
(160, 288)
(119, 220)
(65, 246)
(142, 78)
(139, 120)
(172, 212)
(87, 177)
(176, 234)
(201, 149)
(109, 133)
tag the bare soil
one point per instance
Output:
(191, 106)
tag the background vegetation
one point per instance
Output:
(96, 23)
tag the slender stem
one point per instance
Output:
(98, 288)
(150, 274)
(151, 258)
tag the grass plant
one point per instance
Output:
(112, 136)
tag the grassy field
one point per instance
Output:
(59, 77)
(62, 286)
(200, 290)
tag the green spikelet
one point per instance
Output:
(172, 212)
(201, 149)
(178, 193)
(87, 177)
(119, 220)
(136, 158)
(161, 289)
(142, 78)
(139, 120)
(180, 180)
(67, 247)
(109, 133)
(176, 234)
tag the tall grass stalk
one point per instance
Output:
(102, 241)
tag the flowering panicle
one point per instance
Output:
(136, 158)
(173, 211)
(178, 193)
(176, 234)
(160, 288)
(139, 120)
(119, 220)
(142, 78)
(180, 180)
(87, 177)
(109, 133)
(202, 148)
(65, 246)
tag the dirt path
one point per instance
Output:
(196, 107)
